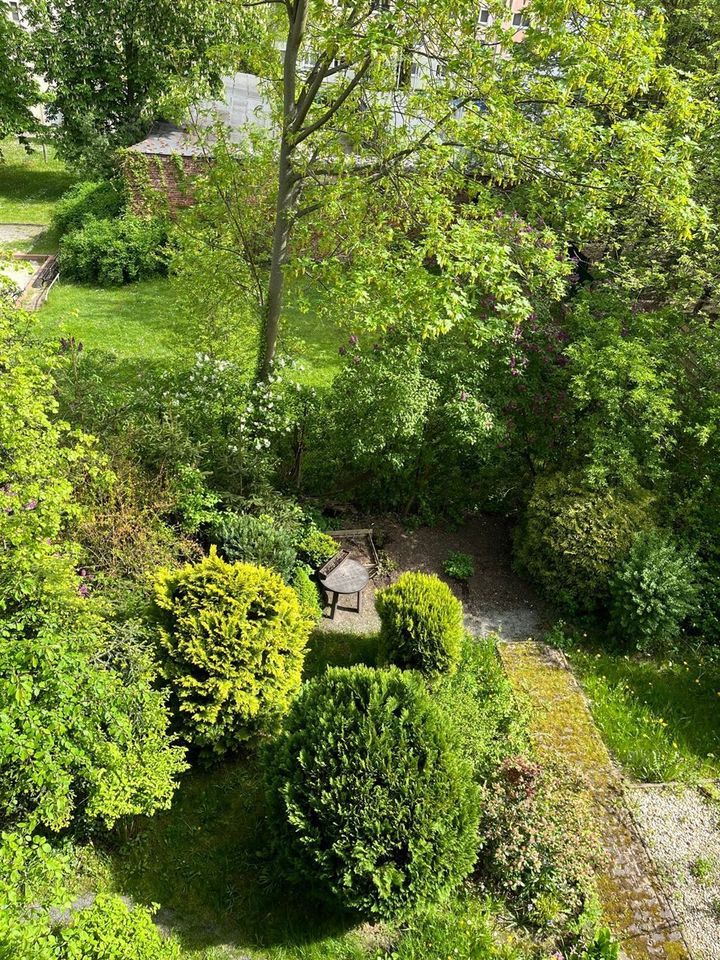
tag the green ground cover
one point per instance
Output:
(659, 717)
(30, 184)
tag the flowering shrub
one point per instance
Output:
(233, 638)
(538, 845)
(376, 808)
(421, 624)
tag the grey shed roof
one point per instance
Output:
(242, 103)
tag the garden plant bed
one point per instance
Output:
(495, 599)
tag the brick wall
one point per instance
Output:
(168, 178)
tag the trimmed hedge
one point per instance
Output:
(233, 638)
(99, 200)
(421, 624)
(113, 252)
(375, 805)
(572, 538)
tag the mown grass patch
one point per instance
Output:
(150, 323)
(30, 183)
(659, 717)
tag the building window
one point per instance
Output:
(485, 17)
(14, 11)
(521, 20)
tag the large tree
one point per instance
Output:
(109, 65)
(18, 90)
(402, 129)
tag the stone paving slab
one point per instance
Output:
(636, 908)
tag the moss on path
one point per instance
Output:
(635, 906)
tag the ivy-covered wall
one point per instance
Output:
(160, 183)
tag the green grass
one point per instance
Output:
(148, 323)
(660, 718)
(30, 184)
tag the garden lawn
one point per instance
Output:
(148, 322)
(30, 185)
(660, 718)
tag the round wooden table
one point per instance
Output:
(348, 577)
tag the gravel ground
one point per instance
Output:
(682, 830)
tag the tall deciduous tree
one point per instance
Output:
(402, 128)
(18, 90)
(109, 65)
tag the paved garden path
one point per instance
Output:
(636, 908)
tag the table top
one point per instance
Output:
(349, 577)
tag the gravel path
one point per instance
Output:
(19, 232)
(682, 830)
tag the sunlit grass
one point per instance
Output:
(660, 718)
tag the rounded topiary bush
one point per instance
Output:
(573, 537)
(421, 624)
(379, 810)
(233, 639)
(652, 592)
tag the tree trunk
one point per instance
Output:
(288, 189)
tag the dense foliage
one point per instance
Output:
(112, 252)
(379, 809)
(233, 639)
(653, 591)
(96, 199)
(421, 624)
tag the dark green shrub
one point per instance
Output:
(421, 624)
(380, 811)
(259, 540)
(113, 252)
(99, 200)
(485, 721)
(233, 637)
(308, 593)
(572, 538)
(652, 592)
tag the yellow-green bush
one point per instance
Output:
(233, 638)
(421, 624)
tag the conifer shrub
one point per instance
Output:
(233, 639)
(421, 624)
(308, 593)
(572, 538)
(652, 592)
(375, 806)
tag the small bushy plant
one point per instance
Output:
(652, 592)
(538, 840)
(316, 547)
(486, 722)
(459, 566)
(255, 539)
(108, 929)
(378, 809)
(421, 624)
(308, 593)
(99, 200)
(233, 639)
(572, 538)
(113, 252)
